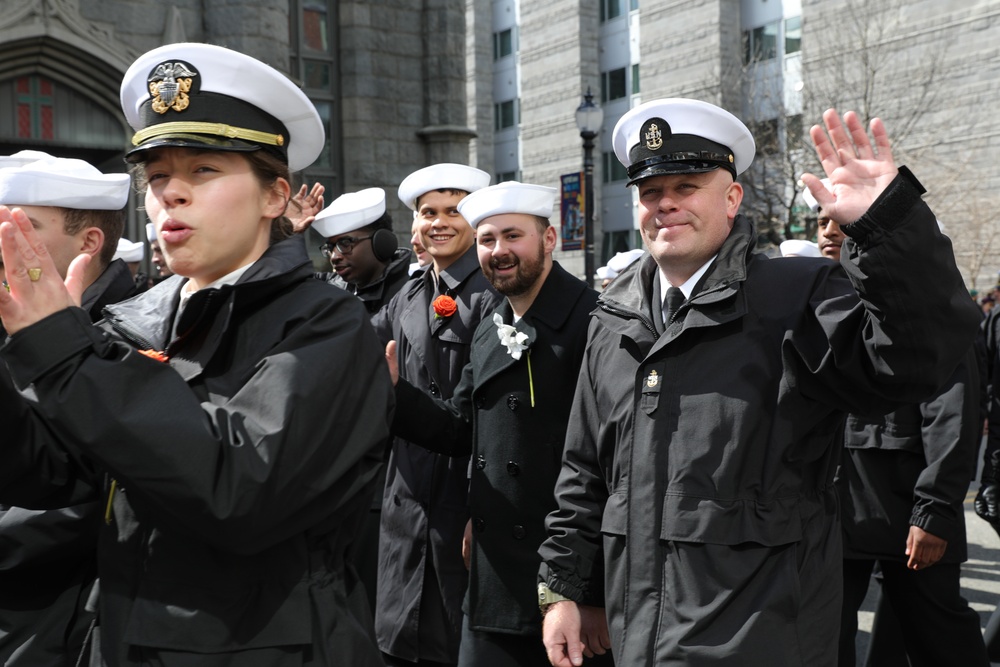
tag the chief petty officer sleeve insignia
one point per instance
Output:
(169, 84)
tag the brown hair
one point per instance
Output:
(449, 191)
(112, 223)
(267, 168)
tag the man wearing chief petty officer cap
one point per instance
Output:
(705, 429)
(421, 575)
(362, 247)
(515, 396)
(230, 420)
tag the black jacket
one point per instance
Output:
(233, 476)
(48, 558)
(380, 291)
(699, 462)
(425, 506)
(911, 467)
(519, 413)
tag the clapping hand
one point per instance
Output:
(35, 288)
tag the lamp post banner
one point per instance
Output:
(573, 210)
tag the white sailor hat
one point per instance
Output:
(32, 178)
(350, 211)
(443, 176)
(799, 248)
(681, 136)
(808, 198)
(150, 232)
(209, 97)
(130, 252)
(619, 263)
(508, 197)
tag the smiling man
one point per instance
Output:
(521, 383)
(362, 247)
(696, 491)
(421, 576)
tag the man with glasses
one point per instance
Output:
(362, 247)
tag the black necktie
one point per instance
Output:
(675, 297)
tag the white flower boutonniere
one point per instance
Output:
(510, 337)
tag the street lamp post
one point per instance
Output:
(589, 117)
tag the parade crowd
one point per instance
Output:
(457, 452)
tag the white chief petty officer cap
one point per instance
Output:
(350, 211)
(681, 136)
(209, 97)
(508, 197)
(443, 176)
(33, 178)
(130, 252)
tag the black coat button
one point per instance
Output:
(434, 389)
(513, 469)
(513, 402)
(518, 532)
(480, 462)
(480, 525)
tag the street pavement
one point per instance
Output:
(980, 576)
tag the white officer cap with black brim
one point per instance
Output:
(681, 136)
(350, 211)
(33, 178)
(128, 251)
(211, 98)
(508, 197)
(443, 176)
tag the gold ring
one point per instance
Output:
(34, 275)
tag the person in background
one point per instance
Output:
(419, 251)
(132, 253)
(48, 560)
(362, 247)
(421, 574)
(156, 260)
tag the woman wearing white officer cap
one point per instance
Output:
(212, 415)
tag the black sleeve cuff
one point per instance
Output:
(887, 211)
(35, 350)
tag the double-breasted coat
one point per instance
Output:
(518, 411)
(425, 506)
(700, 460)
(232, 476)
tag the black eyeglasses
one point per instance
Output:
(344, 245)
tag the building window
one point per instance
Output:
(633, 5)
(635, 79)
(760, 43)
(506, 176)
(613, 85)
(34, 98)
(504, 115)
(613, 169)
(503, 43)
(793, 35)
(610, 9)
(315, 31)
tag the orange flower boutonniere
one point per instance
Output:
(444, 306)
(155, 354)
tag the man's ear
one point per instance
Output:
(734, 196)
(92, 241)
(550, 238)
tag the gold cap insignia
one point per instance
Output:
(169, 84)
(653, 137)
(653, 379)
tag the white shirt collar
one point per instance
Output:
(689, 284)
